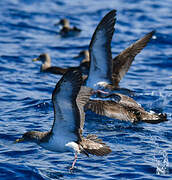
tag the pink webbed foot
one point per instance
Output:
(73, 164)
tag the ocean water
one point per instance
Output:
(139, 151)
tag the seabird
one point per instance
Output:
(46, 66)
(123, 108)
(66, 132)
(122, 62)
(66, 29)
(105, 72)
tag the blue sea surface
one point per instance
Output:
(139, 151)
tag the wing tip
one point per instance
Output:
(108, 21)
(149, 35)
(152, 32)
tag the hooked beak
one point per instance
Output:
(35, 59)
(77, 57)
(18, 140)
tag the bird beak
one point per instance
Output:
(18, 140)
(36, 59)
(76, 57)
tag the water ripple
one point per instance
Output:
(139, 151)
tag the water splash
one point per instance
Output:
(162, 163)
(160, 156)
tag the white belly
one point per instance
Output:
(58, 144)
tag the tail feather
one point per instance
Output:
(92, 145)
(155, 118)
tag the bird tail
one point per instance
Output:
(92, 145)
(154, 118)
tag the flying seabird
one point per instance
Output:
(123, 108)
(122, 62)
(105, 72)
(66, 132)
(66, 29)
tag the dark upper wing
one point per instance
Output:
(103, 105)
(122, 62)
(56, 70)
(123, 108)
(100, 51)
(66, 113)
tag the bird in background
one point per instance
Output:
(66, 30)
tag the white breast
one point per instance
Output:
(73, 146)
(59, 144)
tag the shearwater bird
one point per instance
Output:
(46, 66)
(66, 29)
(122, 62)
(66, 132)
(102, 74)
(123, 108)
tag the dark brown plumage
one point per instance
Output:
(92, 145)
(124, 108)
(123, 61)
